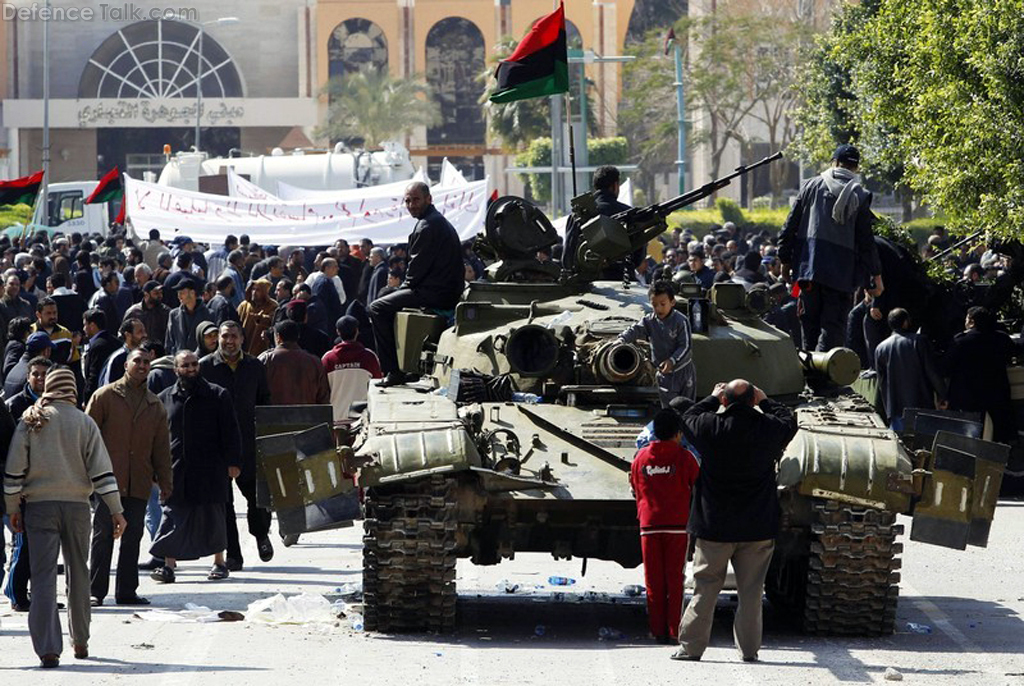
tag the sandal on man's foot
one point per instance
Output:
(218, 572)
(164, 575)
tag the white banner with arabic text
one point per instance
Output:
(209, 218)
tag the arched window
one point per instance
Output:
(159, 59)
(455, 58)
(356, 45)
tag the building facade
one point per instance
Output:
(124, 85)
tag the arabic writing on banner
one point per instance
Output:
(208, 218)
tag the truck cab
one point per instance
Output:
(65, 210)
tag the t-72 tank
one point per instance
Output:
(520, 435)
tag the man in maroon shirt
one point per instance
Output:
(349, 366)
(662, 476)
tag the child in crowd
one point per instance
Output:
(662, 477)
(668, 331)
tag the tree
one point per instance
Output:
(647, 113)
(739, 71)
(775, 72)
(830, 107)
(937, 93)
(372, 107)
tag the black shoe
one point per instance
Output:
(288, 540)
(81, 652)
(218, 573)
(750, 658)
(133, 600)
(153, 563)
(95, 602)
(49, 661)
(20, 607)
(164, 575)
(266, 549)
(681, 654)
(234, 564)
(393, 379)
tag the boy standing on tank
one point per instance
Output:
(662, 477)
(668, 331)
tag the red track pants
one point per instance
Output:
(664, 569)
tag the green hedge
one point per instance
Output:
(725, 209)
(538, 154)
(703, 221)
(14, 214)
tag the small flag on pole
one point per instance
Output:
(670, 39)
(21, 191)
(109, 189)
(540, 64)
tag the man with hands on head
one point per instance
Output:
(735, 512)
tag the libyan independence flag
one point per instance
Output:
(540, 64)
(110, 189)
(21, 191)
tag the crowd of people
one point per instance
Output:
(136, 367)
(132, 370)
(831, 282)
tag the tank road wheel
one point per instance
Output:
(409, 556)
(852, 577)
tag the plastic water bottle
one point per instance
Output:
(561, 581)
(609, 634)
(355, 621)
(915, 628)
(565, 316)
(529, 398)
(539, 630)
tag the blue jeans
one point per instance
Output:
(153, 512)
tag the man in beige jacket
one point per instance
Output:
(134, 427)
(69, 463)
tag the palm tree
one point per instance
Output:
(373, 106)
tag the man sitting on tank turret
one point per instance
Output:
(434, 277)
(668, 331)
(606, 197)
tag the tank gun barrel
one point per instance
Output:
(666, 208)
(604, 239)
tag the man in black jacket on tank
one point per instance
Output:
(433, 279)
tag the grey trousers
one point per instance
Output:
(53, 527)
(711, 559)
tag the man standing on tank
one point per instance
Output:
(433, 278)
(827, 243)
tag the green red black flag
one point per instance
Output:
(109, 189)
(540, 64)
(21, 191)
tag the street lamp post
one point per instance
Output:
(221, 21)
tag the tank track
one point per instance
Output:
(409, 538)
(852, 578)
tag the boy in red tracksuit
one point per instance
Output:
(662, 477)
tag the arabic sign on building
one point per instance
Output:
(95, 113)
(162, 112)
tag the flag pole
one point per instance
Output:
(572, 140)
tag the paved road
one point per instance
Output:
(972, 601)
